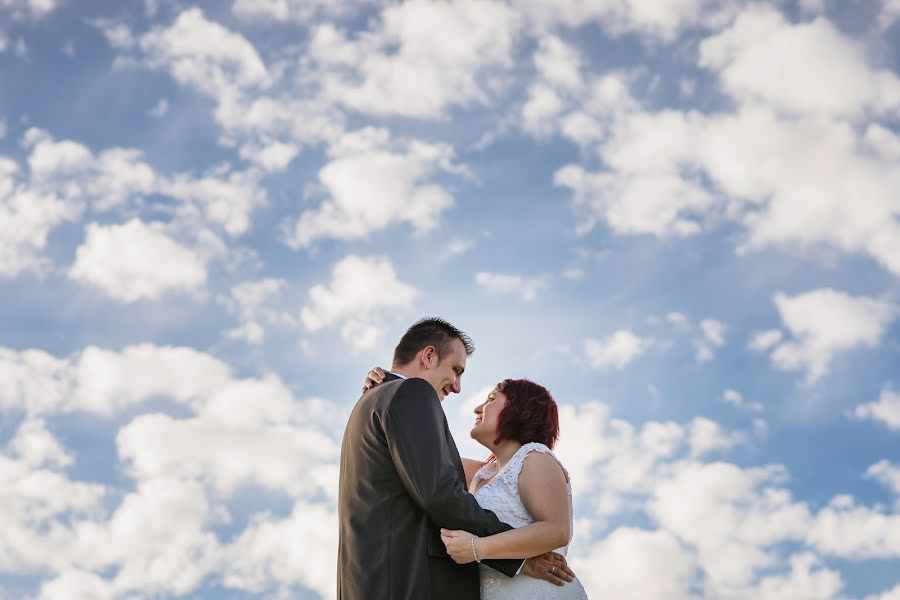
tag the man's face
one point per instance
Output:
(445, 376)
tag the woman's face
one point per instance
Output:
(485, 429)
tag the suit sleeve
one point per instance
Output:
(416, 437)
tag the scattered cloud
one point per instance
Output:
(824, 323)
(245, 301)
(373, 182)
(136, 261)
(397, 69)
(886, 410)
(360, 290)
(823, 59)
(736, 399)
(527, 288)
(616, 350)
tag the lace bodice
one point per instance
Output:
(501, 495)
(501, 492)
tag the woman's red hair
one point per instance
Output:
(530, 413)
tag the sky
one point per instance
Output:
(681, 217)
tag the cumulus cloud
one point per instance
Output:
(203, 54)
(136, 261)
(886, 410)
(27, 216)
(888, 474)
(527, 288)
(27, 9)
(730, 515)
(616, 350)
(672, 173)
(94, 543)
(708, 436)
(373, 182)
(661, 21)
(399, 69)
(245, 301)
(269, 111)
(666, 568)
(827, 72)
(360, 291)
(736, 399)
(712, 335)
(848, 530)
(824, 323)
(299, 11)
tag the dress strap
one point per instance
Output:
(518, 460)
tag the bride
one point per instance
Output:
(523, 483)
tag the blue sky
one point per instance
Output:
(680, 216)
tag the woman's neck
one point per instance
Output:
(505, 451)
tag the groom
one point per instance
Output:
(402, 480)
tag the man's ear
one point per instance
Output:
(429, 357)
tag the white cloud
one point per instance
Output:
(27, 217)
(675, 173)
(226, 455)
(891, 594)
(847, 530)
(662, 20)
(221, 197)
(712, 336)
(71, 170)
(299, 11)
(825, 322)
(136, 261)
(890, 12)
(615, 350)
(799, 68)
(242, 432)
(736, 399)
(244, 301)
(677, 319)
(360, 291)
(160, 109)
(373, 183)
(886, 409)
(267, 552)
(708, 436)
(37, 447)
(666, 569)
(527, 288)
(422, 58)
(887, 474)
(27, 9)
(730, 515)
(460, 246)
(807, 580)
(203, 54)
(763, 340)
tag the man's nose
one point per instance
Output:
(456, 387)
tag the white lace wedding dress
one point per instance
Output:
(501, 495)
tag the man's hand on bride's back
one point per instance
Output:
(373, 378)
(550, 567)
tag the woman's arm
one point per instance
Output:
(471, 466)
(544, 492)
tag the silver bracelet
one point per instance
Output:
(475, 554)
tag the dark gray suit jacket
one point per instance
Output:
(401, 481)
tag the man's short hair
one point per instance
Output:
(430, 331)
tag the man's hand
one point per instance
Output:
(459, 545)
(550, 567)
(373, 378)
